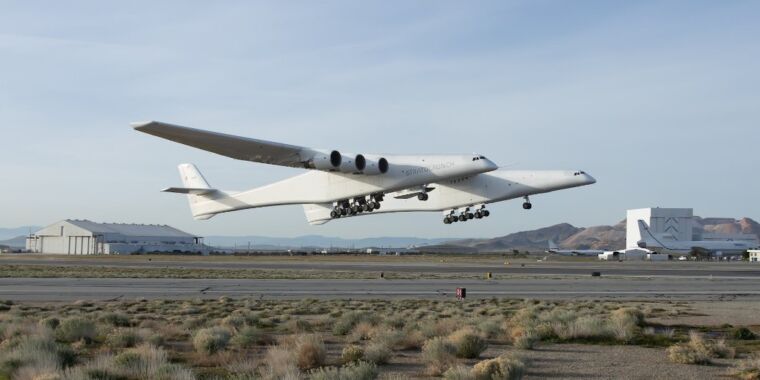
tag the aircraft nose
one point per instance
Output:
(490, 164)
(589, 179)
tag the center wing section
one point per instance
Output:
(241, 148)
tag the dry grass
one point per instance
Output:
(468, 343)
(438, 355)
(699, 350)
(503, 367)
(235, 338)
(211, 340)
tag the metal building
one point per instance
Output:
(84, 237)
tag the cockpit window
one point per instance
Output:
(482, 157)
(478, 158)
(579, 172)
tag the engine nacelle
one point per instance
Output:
(326, 161)
(349, 163)
(372, 165)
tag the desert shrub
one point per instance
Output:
(211, 340)
(441, 327)
(625, 323)
(743, 333)
(142, 362)
(351, 353)
(233, 322)
(524, 339)
(686, 354)
(279, 363)
(468, 344)
(115, 319)
(49, 322)
(34, 355)
(245, 368)
(75, 329)
(123, 338)
(395, 321)
(459, 372)
(310, 351)
(503, 367)
(377, 353)
(299, 325)
(438, 355)
(347, 321)
(354, 371)
(489, 328)
(362, 331)
(410, 339)
(248, 337)
(749, 368)
(699, 350)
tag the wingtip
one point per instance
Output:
(139, 125)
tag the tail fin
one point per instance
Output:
(195, 186)
(646, 236)
(553, 245)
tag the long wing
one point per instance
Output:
(241, 148)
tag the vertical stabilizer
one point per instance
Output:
(553, 245)
(192, 178)
(196, 188)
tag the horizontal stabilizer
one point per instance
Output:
(189, 190)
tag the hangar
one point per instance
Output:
(84, 237)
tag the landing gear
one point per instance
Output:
(527, 205)
(422, 196)
(356, 206)
(465, 214)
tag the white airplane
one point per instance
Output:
(553, 248)
(668, 245)
(342, 185)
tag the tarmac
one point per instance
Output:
(550, 268)
(698, 281)
(71, 289)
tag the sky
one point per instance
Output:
(658, 100)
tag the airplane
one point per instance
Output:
(553, 248)
(668, 245)
(338, 185)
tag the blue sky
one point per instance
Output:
(658, 100)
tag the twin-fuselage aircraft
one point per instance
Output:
(338, 185)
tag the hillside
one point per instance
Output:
(570, 237)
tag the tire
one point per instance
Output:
(486, 213)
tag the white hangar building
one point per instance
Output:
(84, 237)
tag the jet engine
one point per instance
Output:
(325, 161)
(350, 163)
(371, 166)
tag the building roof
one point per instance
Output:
(129, 229)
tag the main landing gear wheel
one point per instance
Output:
(422, 197)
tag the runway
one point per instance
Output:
(526, 267)
(64, 289)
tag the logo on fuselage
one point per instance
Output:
(426, 169)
